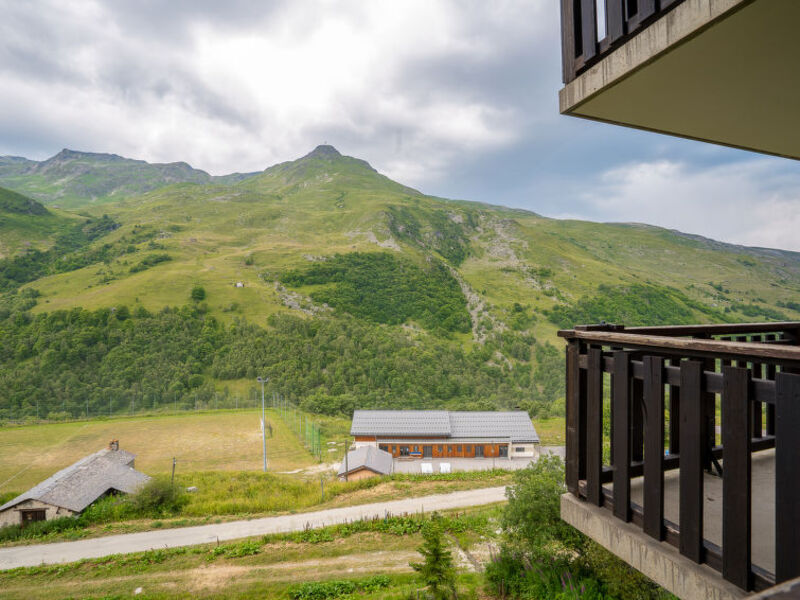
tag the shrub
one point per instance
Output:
(437, 570)
(157, 497)
(198, 293)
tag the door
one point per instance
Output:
(478, 451)
(503, 451)
(31, 516)
(427, 452)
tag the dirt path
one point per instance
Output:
(63, 552)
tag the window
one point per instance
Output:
(441, 449)
(479, 451)
(469, 449)
(503, 451)
(458, 449)
(403, 450)
(519, 449)
(384, 447)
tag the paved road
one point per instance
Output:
(63, 552)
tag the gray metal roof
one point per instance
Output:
(401, 422)
(83, 482)
(515, 425)
(367, 457)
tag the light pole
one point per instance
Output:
(262, 381)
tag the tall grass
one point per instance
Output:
(221, 493)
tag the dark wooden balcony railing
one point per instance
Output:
(662, 388)
(581, 41)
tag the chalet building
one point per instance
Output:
(442, 434)
(701, 488)
(71, 490)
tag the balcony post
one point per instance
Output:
(653, 520)
(736, 477)
(575, 468)
(787, 477)
(692, 461)
(594, 426)
(620, 437)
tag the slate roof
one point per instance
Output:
(367, 457)
(83, 482)
(516, 425)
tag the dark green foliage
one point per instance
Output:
(122, 360)
(157, 497)
(112, 361)
(795, 306)
(760, 312)
(69, 253)
(198, 293)
(631, 305)
(436, 570)
(388, 289)
(13, 202)
(434, 230)
(543, 557)
(325, 590)
(150, 261)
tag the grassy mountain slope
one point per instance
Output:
(403, 295)
(74, 179)
(25, 223)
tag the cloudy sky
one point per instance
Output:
(456, 98)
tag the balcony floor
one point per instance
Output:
(762, 507)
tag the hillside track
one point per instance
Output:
(65, 552)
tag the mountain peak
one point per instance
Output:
(324, 151)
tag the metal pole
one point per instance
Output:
(262, 381)
(173, 470)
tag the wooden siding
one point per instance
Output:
(442, 449)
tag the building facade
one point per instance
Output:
(441, 434)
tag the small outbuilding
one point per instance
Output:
(71, 490)
(364, 462)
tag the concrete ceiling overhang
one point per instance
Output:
(726, 72)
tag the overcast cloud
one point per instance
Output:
(456, 98)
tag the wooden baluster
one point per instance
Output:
(588, 29)
(575, 468)
(637, 419)
(615, 20)
(758, 410)
(594, 426)
(653, 520)
(787, 477)
(692, 461)
(736, 477)
(674, 413)
(769, 373)
(568, 46)
(621, 436)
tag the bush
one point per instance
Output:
(325, 590)
(157, 497)
(198, 293)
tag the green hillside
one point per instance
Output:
(72, 179)
(348, 289)
(26, 224)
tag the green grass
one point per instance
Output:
(274, 566)
(226, 440)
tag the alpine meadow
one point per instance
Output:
(125, 284)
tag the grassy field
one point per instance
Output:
(269, 567)
(206, 441)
